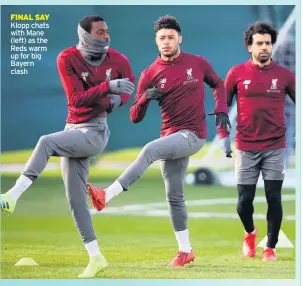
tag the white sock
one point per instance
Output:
(92, 248)
(22, 184)
(183, 240)
(113, 190)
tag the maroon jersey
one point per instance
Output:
(182, 84)
(86, 87)
(261, 96)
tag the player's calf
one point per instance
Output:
(274, 212)
(245, 209)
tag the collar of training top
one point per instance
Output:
(174, 61)
(266, 67)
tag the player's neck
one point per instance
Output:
(261, 65)
(170, 59)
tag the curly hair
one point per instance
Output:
(260, 28)
(167, 22)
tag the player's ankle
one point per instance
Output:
(21, 185)
(268, 247)
(113, 190)
(250, 232)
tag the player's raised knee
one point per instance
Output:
(44, 140)
(149, 148)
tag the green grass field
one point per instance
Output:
(135, 246)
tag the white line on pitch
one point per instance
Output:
(151, 208)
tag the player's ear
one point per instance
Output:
(249, 48)
(180, 39)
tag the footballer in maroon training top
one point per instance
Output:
(86, 86)
(261, 93)
(182, 83)
(261, 87)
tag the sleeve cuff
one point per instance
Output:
(221, 109)
(222, 134)
(104, 88)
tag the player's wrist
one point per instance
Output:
(143, 99)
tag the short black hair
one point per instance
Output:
(260, 28)
(86, 22)
(167, 22)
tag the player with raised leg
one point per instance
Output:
(176, 81)
(96, 80)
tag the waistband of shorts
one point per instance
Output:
(96, 121)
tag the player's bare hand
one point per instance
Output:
(226, 147)
(121, 86)
(153, 93)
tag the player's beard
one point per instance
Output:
(171, 54)
(262, 59)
